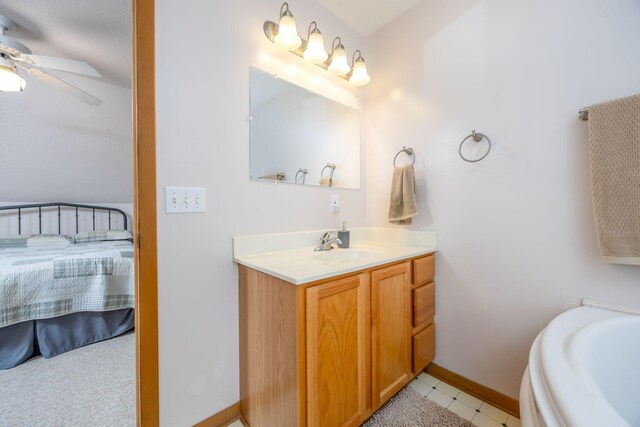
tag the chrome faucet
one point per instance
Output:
(329, 238)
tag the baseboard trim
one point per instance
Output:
(476, 390)
(495, 398)
(222, 418)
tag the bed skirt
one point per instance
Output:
(51, 337)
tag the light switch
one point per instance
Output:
(184, 199)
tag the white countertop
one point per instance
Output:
(293, 259)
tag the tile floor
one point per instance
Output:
(480, 414)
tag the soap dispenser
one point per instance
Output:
(345, 236)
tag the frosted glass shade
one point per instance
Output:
(359, 77)
(339, 64)
(315, 49)
(10, 81)
(287, 37)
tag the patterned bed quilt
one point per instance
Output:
(45, 282)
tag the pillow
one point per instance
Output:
(103, 236)
(12, 241)
(36, 240)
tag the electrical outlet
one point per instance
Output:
(335, 205)
(184, 199)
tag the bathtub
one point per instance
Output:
(584, 370)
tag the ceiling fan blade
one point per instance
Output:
(60, 64)
(64, 86)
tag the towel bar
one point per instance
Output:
(477, 137)
(332, 167)
(583, 113)
(409, 152)
(304, 175)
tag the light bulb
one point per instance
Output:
(315, 47)
(10, 81)
(287, 37)
(359, 76)
(339, 64)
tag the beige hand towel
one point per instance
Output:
(403, 205)
(614, 139)
(326, 182)
(280, 176)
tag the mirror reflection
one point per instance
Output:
(301, 137)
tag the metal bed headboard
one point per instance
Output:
(61, 205)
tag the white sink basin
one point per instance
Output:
(291, 257)
(349, 256)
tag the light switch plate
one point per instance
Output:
(185, 199)
(335, 205)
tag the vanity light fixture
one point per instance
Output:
(314, 51)
(10, 80)
(285, 36)
(338, 63)
(359, 76)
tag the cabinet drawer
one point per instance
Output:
(424, 304)
(424, 348)
(424, 270)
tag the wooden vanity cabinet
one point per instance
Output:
(424, 310)
(330, 353)
(337, 352)
(391, 331)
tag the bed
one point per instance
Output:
(57, 296)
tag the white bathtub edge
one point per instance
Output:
(608, 306)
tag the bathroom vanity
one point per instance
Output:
(327, 338)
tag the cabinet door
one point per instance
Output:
(337, 341)
(391, 329)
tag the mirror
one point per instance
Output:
(301, 137)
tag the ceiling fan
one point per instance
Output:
(14, 55)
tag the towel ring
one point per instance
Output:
(409, 152)
(304, 175)
(477, 137)
(331, 166)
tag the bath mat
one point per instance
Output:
(410, 409)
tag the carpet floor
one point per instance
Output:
(89, 386)
(410, 409)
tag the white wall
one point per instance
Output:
(203, 140)
(56, 148)
(516, 231)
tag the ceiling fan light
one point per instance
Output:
(10, 80)
(359, 77)
(287, 37)
(339, 64)
(315, 47)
